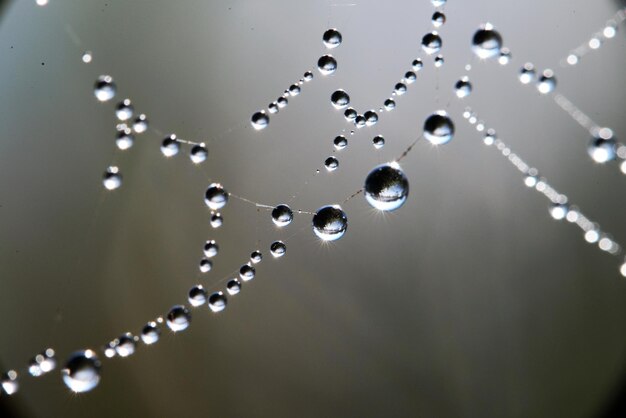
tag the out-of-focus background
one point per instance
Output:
(468, 301)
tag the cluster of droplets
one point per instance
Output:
(559, 207)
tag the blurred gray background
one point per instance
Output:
(469, 301)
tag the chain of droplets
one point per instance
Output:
(560, 208)
(597, 39)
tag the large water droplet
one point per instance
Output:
(486, 42)
(112, 178)
(82, 371)
(282, 215)
(260, 120)
(340, 99)
(178, 318)
(327, 64)
(386, 187)
(278, 249)
(431, 43)
(330, 223)
(216, 197)
(332, 38)
(438, 128)
(105, 88)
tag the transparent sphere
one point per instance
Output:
(439, 60)
(331, 163)
(260, 120)
(386, 187)
(198, 153)
(124, 139)
(546, 82)
(340, 142)
(431, 43)
(490, 137)
(327, 65)
(332, 38)
(294, 90)
(438, 19)
(247, 272)
(104, 88)
(170, 146)
(140, 124)
(197, 296)
(124, 110)
(390, 104)
(399, 89)
(308, 76)
(282, 102)
(9, 382)
(527, 73)
(463, 88)
(217, 302)
(371, 118)
(410, 77)
(378, 141)
(211, 248)
(558, 211)
(438, 128)
(215, 196)
(278, 249)
(340, 99)
(417, 64)
(150, 333)
(233, 287)
(438, 3)
(350, 114)
(330, 223)
(216, 220)
(125, 345)
(282, 215)
(87, 55)
(178, 318)
(205, 265)
(602, 150)
(82, 371)
(256, 257)
(486, 42)
(112, 178)
(505, 56)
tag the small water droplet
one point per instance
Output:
(197, 296)
(105, 88)
(256, 257)
(150, 333)
(233, 287)
(327, 64)
(112, 178)
(546, 82)
(439, 61)
(340, 142)
(82, 371)
(282, 102)
(350, 114)
(170, 146)
(87, 57)
(438, 128)
(371, 118)
(486, 42)
(330, 223)
(216, 220)
(308, 76)
(390, 104)
(527, 73)
(260, 120)
(282, 215)
(178, 318)
(602, 150)
(198, 153)
(378, 141)
(294, 90)
(272, 107)
(278, 249)
(247, 272)
(463, 88)
(125, 345)
(140, 125)
(558, 211)
(124, 139)
(217, 302)
(205, 265)
(431, 43)
(332, 38)
(331, 163)
(215, 196)
(124, 110)
(438, 19)
(410, 77)
(417, 64)
(505, 56)
(340, 99)
(211, 248)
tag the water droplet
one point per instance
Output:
(417, 64)
(282, 102)
(233, 287)
(438, 3)
(558, 211)
(87, 57)
(439, 61)
(410, 77)
(386, 187)
(331, 163)
(490, 137)
(112, 179)
(170, 146)
(438, 19)
(260, 120)
(463, 88)
(359, 121)
(340, 99)
(217, 302)
(41, 2)
(150, 333)
(278, 249)
(256, 256)
(197, 296)
(610, 31)
(211, 248)
(272, 107)
(247, 272)
(327, 64)
(216, 220)
(438, 128)
(486, 42)
(378, 141)
(505, 56)
(390, 104)
(330, 223)
(332, 38)
(178, 318)
(124, 139)
(294, 90)
(546, 82)
(215, 197)
(9, 382)
(205, 265)
(350, 114)
(527, 73)
(125, 345)
(124, 110)
(308, 76)
(602, 150)
(82, 371)
(371, 118)
(198, 153)
(140, 125)
(431, 43)
(42, 363)
(105, 88)
(592, 236)
(340, 142)
(399, 89)
(282, 215)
